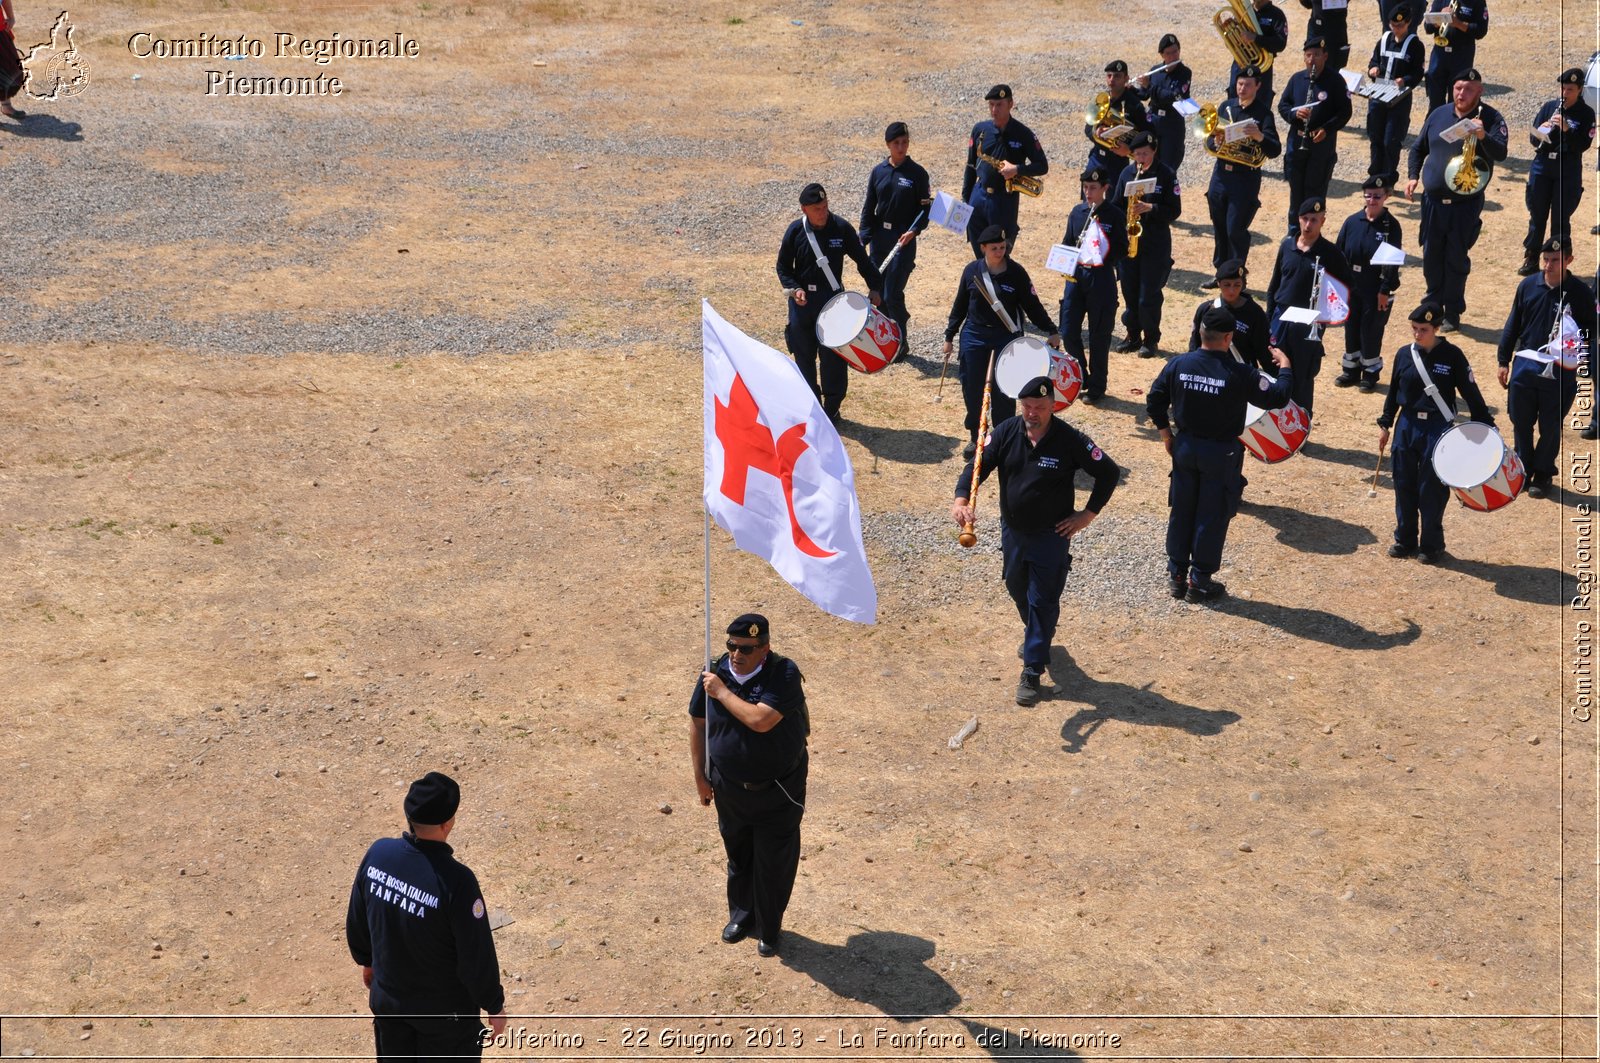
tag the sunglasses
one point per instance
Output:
(740, 647)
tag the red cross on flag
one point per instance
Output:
(1334, 304)
(777, 477)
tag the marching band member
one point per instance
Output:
(1562, 131)
(1145, 276)
(1161, 91)
(995, 276)
(1330, 21)
(1372, 287)
(1207, 391)
(983, 186)
(1419, 496)
(1469, 24)
(1541, 392)
(897, 192)
(811, 268)
(1315, 106)
(1397, 57)
(1038, 455)
(1249, 344)
(1091, 291)
(1296, 282)
(1452, 219)
(1124, 102)
(1234, 195)
(1273, 39)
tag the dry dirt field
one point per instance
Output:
(346, 438)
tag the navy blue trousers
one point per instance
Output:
(761, 835)
(1450, 226)
(1035, 568)
(801, 336)
(1387, 125)
(1537, 405)
(1419, 496)
(1204, 495)
(1143, 282)
(1363, 332)
(975, 351)
(894, 281)
(1551, 199)
(1093, 298)
(1233, 208)
(998, 208)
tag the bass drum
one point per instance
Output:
(1591, 81)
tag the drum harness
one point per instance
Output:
(1432, 389)
(822, 260)
(990, 297)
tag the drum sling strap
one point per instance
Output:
(993, 300)
(1431, 388)
(822, 261)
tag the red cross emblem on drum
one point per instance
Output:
(865, 337)
(1275, 435)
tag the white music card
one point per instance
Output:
(1457, 132)
(1300, 315)
(1146, 187)
(1352, 79)
(1236, 131)
(1063, 259)
(1187, 108)
(1388, 255)
(1116, 132)
(950, 213)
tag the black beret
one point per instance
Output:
(1559, 245)
(1314, 205)
(1116, 66)
(1377, 181)
(1429, 313)
(1399, 10)
(1469, 74)
(750, 626)
(1169, 41)
(1095, 174)
(1040, 387)
(1142, 139)
(1572, 76)
(1218, 319)
(895, 131)
(1252, 72)
(999, 92)
(432, 799)
(812, 193)
(1315, 42)
(992, 234)
(1232, 270)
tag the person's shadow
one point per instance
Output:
(1313, 533)
(888, 971)
(1119, 701)
(908, 446)
(1524, 583)
(43, 127)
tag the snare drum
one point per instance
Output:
(1027, 357)
(1473, 461)
(1275, 435)
(865, 337)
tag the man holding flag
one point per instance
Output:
(1308, 276)
(1551, 325)
(1100, 235)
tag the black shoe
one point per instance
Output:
(1211, 285)
(1592, 432)
(969, 450)
(1028, 689)
(735, 932)
(1208, 591)
(1451, 324)
(1149, 350)
(1127, 346)
(766, 949)
(1537, 489)
(1092, 398)
(1368, 383)
(1177, 587)
(1349, 378)
(1396, 550)
(1431, 557)
(1529, 267)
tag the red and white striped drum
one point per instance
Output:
(1027, 357)
(1473, 461)
(865, 337)
(1275, 435)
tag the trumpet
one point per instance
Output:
(1241, 152)
(1315, 331)
(1100, 117)
(1466, 173)
(1028, 186)
(1239, 28)
(1441, 31)
(1135, 226)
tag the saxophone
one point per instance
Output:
(1466, 173)
(1241, 152)
(1028, 186)
(1239, 29)
(1135, 226)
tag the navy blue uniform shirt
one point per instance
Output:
(1249, 331)
(1358, 239)
(895, 196)
(1036, 488)
(1398, 59)
(1166, 200)
(1273, 39)
(797, 266)
(1015, 144)
(1133, 114)
(1331, 113)
(1270, 144)
(744, 755)
(1451, 373)
(1533, 314)
(417, 918)
(1112, 221)
(1571, 134)
(1207, 392)
(1432, 153)
(1167, 87)
(1294, 275)
(1462, 48)
(1012, 287)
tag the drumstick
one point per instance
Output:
(1372, 492)
(942, 371)
(895, 250)
(968, 537)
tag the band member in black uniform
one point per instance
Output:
(1250, 343)
(1234, 195)
(750, 711)
(897, 192)
(1273, 39)
(994, 279)
(1468, 24)
(417, 925)
(1126, 109)
(811, 270)
(1397, 57)
(983, 186)
(1091, 292)
(1372, 287)
(1037, 455)
(1562, 131)
(1144, 275)
(1453, 218)
(1315, 106)
(1329, 20)
(1419, 496)
(1414, 10)
(1295, 282)
(1160, 92)
(1541, 391)
(1206, 392)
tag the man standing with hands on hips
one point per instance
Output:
(417, 926)
(750, 711)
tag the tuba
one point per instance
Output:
(1466, 173)
(1099, 118)
(1239, 28)
(1028, 186)
(1241, 152)
(1135, 226)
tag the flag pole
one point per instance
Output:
(707, 742)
